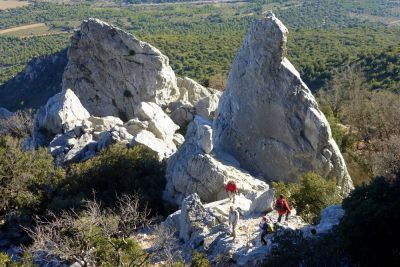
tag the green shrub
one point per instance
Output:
(310, 195)
(28, 180)
(130, 251)
(370, 224)
(19, 125)
(5, 260)
(199, 260)
(343, 139)
(116, 171)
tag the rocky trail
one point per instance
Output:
(245, 250)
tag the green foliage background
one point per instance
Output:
(201, 40)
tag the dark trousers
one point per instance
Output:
(263, 235)
(280, 216)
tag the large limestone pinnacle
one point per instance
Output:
(111, 71)
(267, 117)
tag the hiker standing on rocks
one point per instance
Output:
(282, 207)
(233, 220)
(266, 227)
(231, 189)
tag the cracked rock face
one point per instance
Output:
(111, 71)
(267, 117)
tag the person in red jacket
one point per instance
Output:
(231, 190)
(282, 207)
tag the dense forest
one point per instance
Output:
(201, 40)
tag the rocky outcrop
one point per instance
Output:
(267, 117)
(62, 113)
(204, 227)
(158, 122)
(154, 129)
(194, 220)
(119, 87)
(111, 71)
(182, 112)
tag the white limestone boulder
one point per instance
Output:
(196, 99)
(207, 107)
(164, 148)
(159, 123)
(62, 113)
(194, 221)
(183, 112)
(191, 91)
(135, 125)
(80, 150)
(102, 124)
(178, 139)
(111, 71)
(204, 138)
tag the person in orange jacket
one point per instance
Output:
(282, 206)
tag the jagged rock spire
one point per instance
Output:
(267, 117)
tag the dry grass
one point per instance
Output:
(28, 30)
(7, 4)
(24, 27)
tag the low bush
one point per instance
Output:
(18, 125)
(199, 260)
(115, 171)
(28, 180)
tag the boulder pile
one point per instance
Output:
(117, 88)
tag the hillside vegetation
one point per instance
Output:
(201, 40)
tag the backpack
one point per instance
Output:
(270, 228)
(279, 205)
